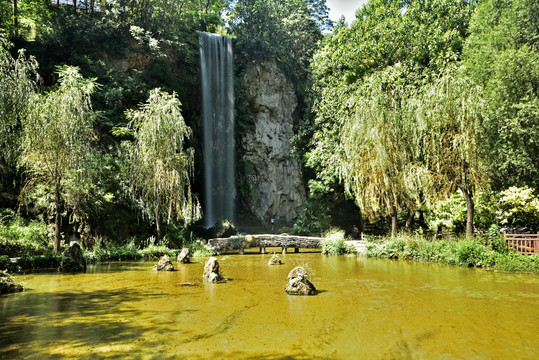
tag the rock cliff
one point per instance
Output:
(272, 176)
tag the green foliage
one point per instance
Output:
(367, 132)
(495, 240)
(18, 81)
(5, 263)
(519, 207)
(334, 244)
(502, 55)
(160, 165)
(314, 219)
(18, 236)
(198, 249)
(450, 213)
(104, 251)
(48, 260)
(512, 261)
(7, 284)
(57, 134)
(466, 253)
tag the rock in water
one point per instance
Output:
(274, 260)
(73, 259)
(164, 264)
(298, 283)
(211, 270)
(183, 256)
(7, 285)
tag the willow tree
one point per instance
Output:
(57, 135)
(449, 112)
(377, 149)
(18, 77)
(161, 166)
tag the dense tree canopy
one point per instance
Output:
(413, 101)
(502, 55)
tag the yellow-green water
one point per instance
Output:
(366, 309)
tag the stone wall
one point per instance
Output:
(273, 177)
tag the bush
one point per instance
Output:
(467, 253)
(334, 244)
(7, 285)
(519, 207)
(198, 249)
(18, 237)
(5, 263)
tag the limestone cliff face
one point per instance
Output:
(272, 176)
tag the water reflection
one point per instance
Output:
(365, 309)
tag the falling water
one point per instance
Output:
(218, 127)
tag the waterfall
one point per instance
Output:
(218, 127)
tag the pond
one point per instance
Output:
(365, 309)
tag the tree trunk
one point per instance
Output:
(410, 220)
(74, 6)
(157, 226)
(361, 224)
(15, 19)
(57, 218)
(393, 221)
(470, 210)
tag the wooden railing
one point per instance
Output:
(526, 244)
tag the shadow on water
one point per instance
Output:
(71, 320)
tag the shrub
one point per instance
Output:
(334, 244)
(467, 253)
(7, 285)
(5, 263)
(198, 249)
(18, 236)
(519, 207)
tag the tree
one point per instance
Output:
(502, 56)
(18, 80)
(161, 166)
(449, 117)
(414, 38)
(377, 155)
(57, 135)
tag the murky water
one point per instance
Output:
(366, 309)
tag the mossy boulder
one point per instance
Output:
(211, 270)
(73, 259)
(164, 264)
(183, 256)
(298, 283)
(7, 284)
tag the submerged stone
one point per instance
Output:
(298, 283)
(164, 264)
(274, 260)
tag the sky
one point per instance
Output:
(348, 8)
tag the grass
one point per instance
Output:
(464, 252)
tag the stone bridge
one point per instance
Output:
(284, 241)
(265, 241)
